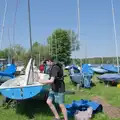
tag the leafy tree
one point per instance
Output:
(60, 45)
(39, 52)
(19, 52)
(2, 55)
(8, 52)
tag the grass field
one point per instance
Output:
(38, 110)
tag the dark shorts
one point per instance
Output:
(56, 96)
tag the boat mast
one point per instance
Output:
(30, 35)
(78, 16)
(116, 42)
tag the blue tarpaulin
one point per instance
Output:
(110, 68)
(83, 77)
(99, 70)
(86, 69)
(82, 105)
(9, 71)
(110, 77)
(74, 67)
(77, 78)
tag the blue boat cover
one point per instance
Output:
(74, 67)
(110, 68)
(94, 65)
(110, 77)
(77, 78)
(99, 70)
(84, 77)
(9, 71)
(86, 69)
(82, 105)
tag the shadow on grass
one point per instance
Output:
(31, 107)
(93, 84)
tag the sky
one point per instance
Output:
(96, 24)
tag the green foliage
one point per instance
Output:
(19, 53)
(39, 52)
(2, 54)
(60, 45)
(97, 60)
(8, 52)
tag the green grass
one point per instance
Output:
(38, 110)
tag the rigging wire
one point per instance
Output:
(14, 22)
(3, 23)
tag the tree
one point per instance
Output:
(8, 52)
(39, 52)
(60, 46)
(2, 55)
(19, 52)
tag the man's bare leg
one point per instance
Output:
(53, 109)
(64, 111)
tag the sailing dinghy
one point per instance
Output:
(25, 86)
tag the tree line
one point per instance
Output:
(60, 45)
(97, 60)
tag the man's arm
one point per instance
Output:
(47, 81)
(53, 76)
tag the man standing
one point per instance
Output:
(58, 88)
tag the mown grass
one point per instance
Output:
(38, 110)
